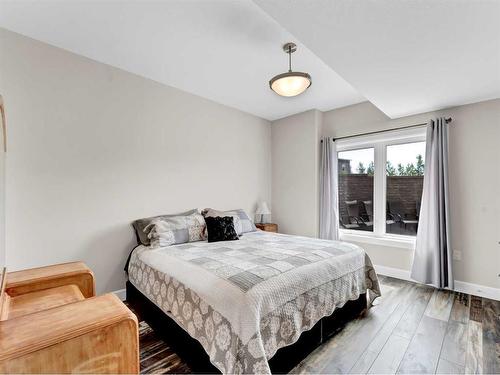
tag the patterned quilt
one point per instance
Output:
(245, 299)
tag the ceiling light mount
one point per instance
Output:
(290, 83)
(289, 47)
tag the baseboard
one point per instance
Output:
(121, 294)
(460, 286)
(478, 290)
(398, 273)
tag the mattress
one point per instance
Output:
(245, 299)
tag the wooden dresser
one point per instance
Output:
(51, 322)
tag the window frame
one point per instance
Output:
(379, 143)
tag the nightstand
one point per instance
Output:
(267, 227)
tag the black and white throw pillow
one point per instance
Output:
(221, 228)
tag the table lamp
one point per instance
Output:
(262, 210)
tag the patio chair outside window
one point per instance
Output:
(405, 219)
(368, 216)
(356, 216)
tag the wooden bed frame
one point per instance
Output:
(285, 359)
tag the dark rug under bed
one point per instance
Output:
(157, 357)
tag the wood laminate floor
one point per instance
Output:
(156, 355)
(412, 329)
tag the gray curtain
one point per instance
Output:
(328, 194)
(432, 260)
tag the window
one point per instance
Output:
(380, 184)
(356, 168)
(404, 183)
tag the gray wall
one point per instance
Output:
(92, 148)
(295, 151)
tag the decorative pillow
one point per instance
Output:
(139, 225)
(221, 228)
(166, 231)
(242, 223)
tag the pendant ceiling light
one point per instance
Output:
(290, 83)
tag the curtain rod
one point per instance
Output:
(386, 130)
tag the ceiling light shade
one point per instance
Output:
(290, 83)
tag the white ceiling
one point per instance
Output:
(406, 57)
(222, 50)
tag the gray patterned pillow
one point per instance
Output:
(242, 223)
(166, 231)
(139, 225)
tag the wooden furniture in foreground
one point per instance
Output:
(26, 281)
(51, 322)
(267, 227)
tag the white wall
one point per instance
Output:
(91, 148)
(295, 151)
(474, 183)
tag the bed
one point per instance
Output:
(244, 300)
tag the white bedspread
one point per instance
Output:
(245, 299)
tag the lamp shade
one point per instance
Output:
(263, 209)
(290, 83)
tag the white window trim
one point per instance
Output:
(379, 143)
(392, 240)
